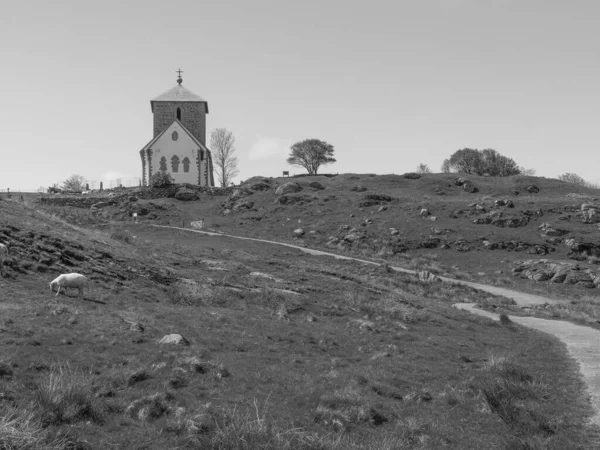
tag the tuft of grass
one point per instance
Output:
(121, 234)
(21, 429)
(512, 393)
(67, 396)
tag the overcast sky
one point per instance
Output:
(390, 84)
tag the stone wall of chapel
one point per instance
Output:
(193, 117)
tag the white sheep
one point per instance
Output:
(3, 255)
(70, 280)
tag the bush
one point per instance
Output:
(161, 179)
(121, 234)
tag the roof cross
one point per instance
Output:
(179, 72)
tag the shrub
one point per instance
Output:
(121, 234)
(161, 179)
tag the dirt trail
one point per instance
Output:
(582, 342)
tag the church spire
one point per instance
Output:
(179, 79)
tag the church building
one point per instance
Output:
(179, 144)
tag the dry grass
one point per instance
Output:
(21, 429)
(66, 396)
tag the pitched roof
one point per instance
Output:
(178, 94)
(196, 141)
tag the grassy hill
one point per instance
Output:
(281, 350)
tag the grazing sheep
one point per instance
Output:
(70, 280)
(3, 255)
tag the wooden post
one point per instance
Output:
(101, 185)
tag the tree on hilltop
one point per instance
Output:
(481, 162)
(573, 178)
(311, 154)
(423, 168)
(222, 146)
(75, 183)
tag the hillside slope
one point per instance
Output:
(281, 350)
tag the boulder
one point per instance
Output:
(288, 188)
(259, 187)
(298, 232)
(243, 205)
(412, 175)
(469, 187)
(354, 236)
(532, 189)
(424, 212)
(394, 232)
(174, 338)
(240, 193)
(186, 195)
(430, 243)
(382, 208)
(358, 188)
(316, 186)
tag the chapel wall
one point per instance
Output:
(193, 117)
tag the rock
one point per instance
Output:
(186, 195)
(532, 189)
(101, 205)
(394, 232)
(479, 207)
(587, 206)
(504, 202)
(430, 243)
(243, 205)
(427, 277)
(314, 185)
(378, 197)
(354, 236)
(382, 208)
(174, 338)
(288, 188)
(424, 212)
(298, 232)
(259, 187)
(240, 193)
(590, 216)
(469, 187)
(412, 175)
(226, 212)
(358, 188)
(433, 218)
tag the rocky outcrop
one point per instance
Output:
(358, 188)
(466, 185)
(412, 175)
(288, 188)
(315, 186)
(374, 199)
(565, 272)
(503, 222)
(243, 205)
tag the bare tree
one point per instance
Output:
(423, 168)
(446, 166)
(75, 183)
(311, 154)
(573, 178)
(222, 146)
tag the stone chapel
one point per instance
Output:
(179, 143)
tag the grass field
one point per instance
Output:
(283, 350)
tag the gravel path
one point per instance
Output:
(582, 342)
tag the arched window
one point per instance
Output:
(175, 163)
(186, 164)
(163, 164)
(179, 114)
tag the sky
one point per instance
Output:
(390, 84)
